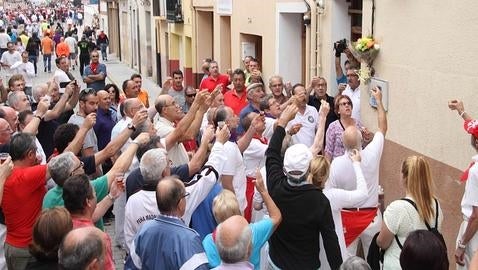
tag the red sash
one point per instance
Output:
(249, 194)
(355, 222)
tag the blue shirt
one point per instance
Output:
(249, 108)
(104, 124)
(261, 231)
(202, 219)
(166, 243)
(97, 85)
(342, 79)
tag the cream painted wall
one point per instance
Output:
(255, 18)
(125, 28)
(428, 55)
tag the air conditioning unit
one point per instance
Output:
(174, 11)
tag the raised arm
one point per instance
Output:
(349, 198)
(115, 145)
(318, 144)
(457, 105)
(76, 144)
(245, 140)
(32, 127)
(382, 115)
(59, 107)
(124, 160)
(272, 208)
(199, 157)
(173, 137)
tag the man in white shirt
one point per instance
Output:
(154, 166)
(353, 91)
(307, 117)
(4, 39)
(10, 57)
(27, 70)
(62, 73)
(71, 41)
(234, 173)
(364, 220)
(467, 238)
(170, 113)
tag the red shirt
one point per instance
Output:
(83, 222)
(231, 99)
(22, 199)
(210, 83)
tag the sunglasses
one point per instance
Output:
(191, 95)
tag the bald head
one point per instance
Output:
(170, 192)
(131, 106)
(161, 102)
(11, 117)
(82, 248)
(233, 239)
(40, 91)
(352, 138)
(104, 101)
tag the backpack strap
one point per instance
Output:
(426, 223)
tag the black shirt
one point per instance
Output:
(331, 117)
(306, 214)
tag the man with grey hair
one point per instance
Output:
(179, 246)
(82, 249)
(67, 164)
(154, 166)
(234, 243)
(365, 219)
(18, 100)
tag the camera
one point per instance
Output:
(340, 46)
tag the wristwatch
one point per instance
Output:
(132, 127)
(461, 245)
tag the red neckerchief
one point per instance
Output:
(464, 176)
(177, 88)
(94, 67)
(263, 140)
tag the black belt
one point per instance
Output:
(360, 209)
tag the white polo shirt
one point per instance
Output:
(355, 97)
(342, 174)
(309, 121)
(235, 166)
(254, 157)
(177, 153)
(470, 196)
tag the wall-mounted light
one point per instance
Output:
(320, 3)
(306, 18)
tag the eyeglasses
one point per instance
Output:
(183, 196)
(77, 168)
(191, 95)
(276, 85)
(345, 103)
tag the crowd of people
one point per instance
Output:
(242, 173)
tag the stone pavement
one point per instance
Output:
(119, 72)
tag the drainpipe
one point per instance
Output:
(320, 12)
(310, 40)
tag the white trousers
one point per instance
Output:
(471, 246)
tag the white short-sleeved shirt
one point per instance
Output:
(177, 153)
(269, 128)
(71, 42)
(254, 157)
(342, 174)
(355, 97)
(10, 59)
(235, 166)
(4, 39)
(59, 77)
(470, 197)
(309, 121)
(90, 138)
(401, 218)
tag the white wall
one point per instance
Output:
(289, 56)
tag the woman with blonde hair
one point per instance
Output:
(403, 216)
(338, 198)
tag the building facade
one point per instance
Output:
(426, 56)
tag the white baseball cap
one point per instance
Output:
(296, 160)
